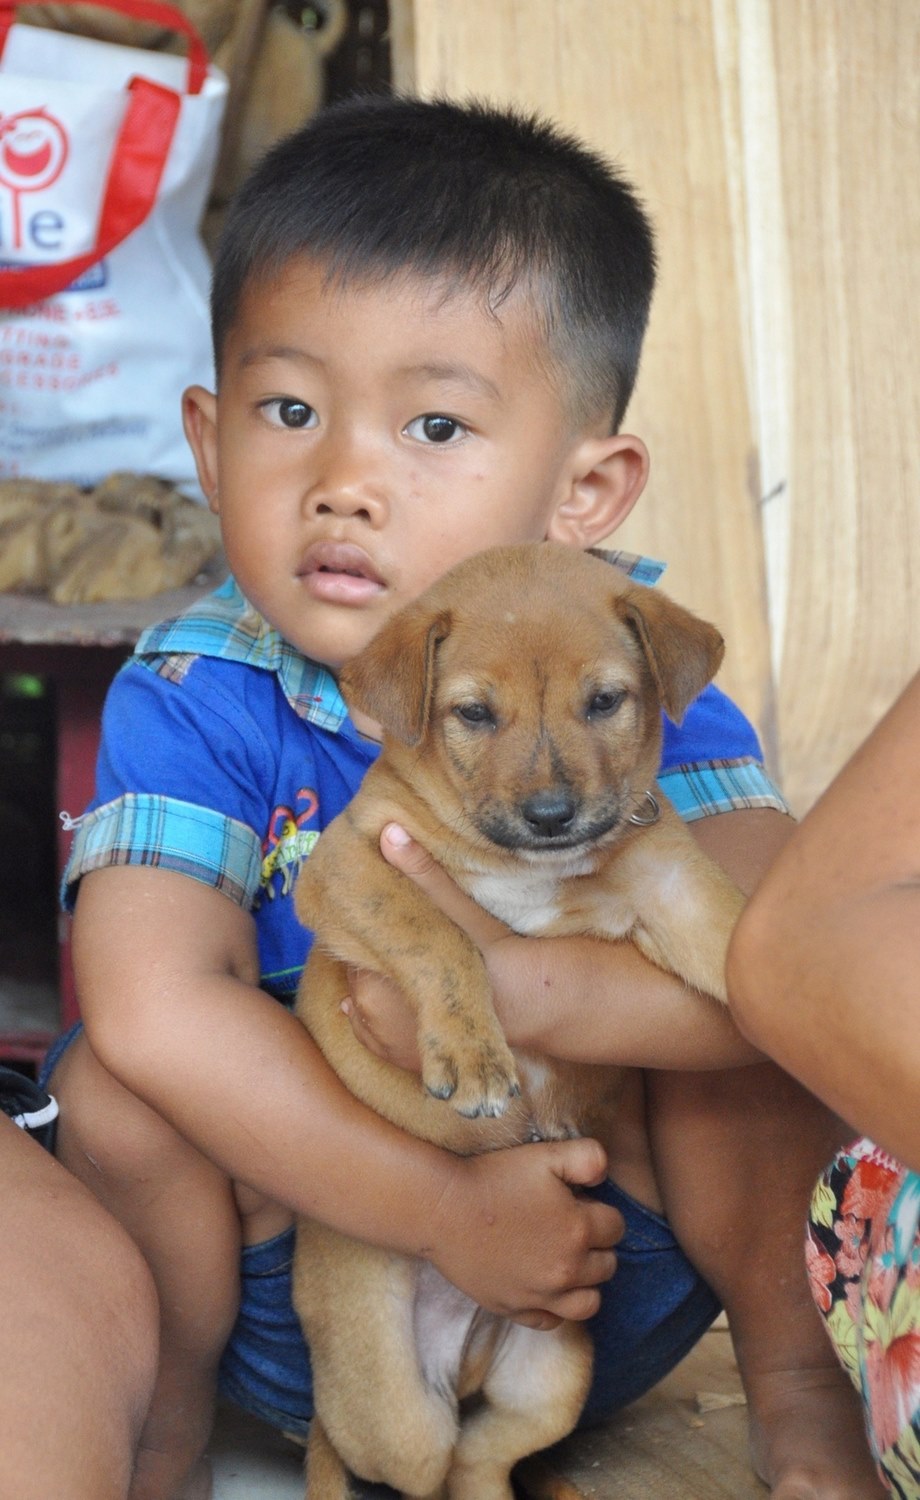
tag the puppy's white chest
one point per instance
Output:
(527, 901)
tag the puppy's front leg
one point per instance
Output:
(367, 914)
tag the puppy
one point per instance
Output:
(520, 700)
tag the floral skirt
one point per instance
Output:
(863, 1254)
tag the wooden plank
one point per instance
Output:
(775, 142)
(638, 80)
(664, 1445)
(847, 81)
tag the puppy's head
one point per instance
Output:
(528, 685)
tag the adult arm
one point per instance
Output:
(166, 970)
(824, 969)
(583, 999)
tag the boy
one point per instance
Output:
(427, 323)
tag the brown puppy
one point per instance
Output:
(520, 699)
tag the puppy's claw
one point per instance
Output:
(478, 1082)
(491, 1109)
(441, 1090)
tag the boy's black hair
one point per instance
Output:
(467, 194)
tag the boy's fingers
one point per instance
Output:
(544, 1321)
(579, 1303)
(404, 854)
(581, 1163)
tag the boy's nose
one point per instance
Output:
(348, 486)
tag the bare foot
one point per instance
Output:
(807, 1437)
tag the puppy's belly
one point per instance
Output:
(455, 1339)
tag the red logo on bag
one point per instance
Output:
(33, 150)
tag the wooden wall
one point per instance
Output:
(777, 146)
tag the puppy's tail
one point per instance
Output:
(536, 1479)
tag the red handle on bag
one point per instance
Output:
(138, 159)
(155, 11)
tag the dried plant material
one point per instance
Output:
(21, 553)
(115, 562)
(719, 1400)
(20, 497)
(131, 537)
(137, 494)
(66, 526)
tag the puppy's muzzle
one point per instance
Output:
(553, 818)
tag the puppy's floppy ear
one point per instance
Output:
(392, 679)
(683, 652)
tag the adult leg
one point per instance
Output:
(183, 1214)
(736, 1155)
(79, 1319)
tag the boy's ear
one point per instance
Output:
(607, 476)
(199, 418)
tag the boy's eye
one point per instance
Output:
(433, 428)
(288, 412)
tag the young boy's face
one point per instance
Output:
(367, 438)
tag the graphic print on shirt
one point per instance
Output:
(287, 844)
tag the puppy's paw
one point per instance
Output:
(479, 1078)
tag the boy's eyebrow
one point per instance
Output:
(260, 352)
(446, 372)
(453, 373)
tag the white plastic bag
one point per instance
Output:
(106, 157)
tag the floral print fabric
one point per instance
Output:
(863, 1261)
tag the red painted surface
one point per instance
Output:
(80, 676)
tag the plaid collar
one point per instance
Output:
(224, 625)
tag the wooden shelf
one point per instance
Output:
(32, 620)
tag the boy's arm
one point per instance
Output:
(583, 999)
(824, 963)
(166, 971)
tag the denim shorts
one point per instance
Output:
(653, 1311)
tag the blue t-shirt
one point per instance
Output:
(224, 753)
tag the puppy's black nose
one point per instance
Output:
(550, 813)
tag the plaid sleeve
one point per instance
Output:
(702, 788)
(167, 834)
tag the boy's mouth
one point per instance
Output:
(339, 573)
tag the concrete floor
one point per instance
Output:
(685, 1440)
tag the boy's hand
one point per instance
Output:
(512, 1234)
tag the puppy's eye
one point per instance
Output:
(605, 704)
(475, 713)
